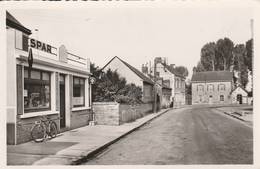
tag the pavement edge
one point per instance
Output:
(99, 149)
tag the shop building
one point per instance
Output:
(56, 85)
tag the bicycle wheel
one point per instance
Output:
(38, 133)
(53, 129)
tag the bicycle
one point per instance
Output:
(43, 128)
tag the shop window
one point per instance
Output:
(78, 92)
(221, 98)
(36, 90)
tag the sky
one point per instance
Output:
(137, 35)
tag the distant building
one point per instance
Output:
(240, 96)
(212, 87)
(171, 78)
(132, 75)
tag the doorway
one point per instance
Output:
(62, 102)
(239, 99)
(210, 99)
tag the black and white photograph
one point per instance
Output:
(169, 83)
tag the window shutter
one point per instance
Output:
(19, 80)
(25, 42)
(57, 86)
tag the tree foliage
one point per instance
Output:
(110, 86)
(225, 55)
(182, 70)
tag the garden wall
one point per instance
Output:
(111, 113)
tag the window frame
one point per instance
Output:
(37, 82)
(84, 91)
(221, 98)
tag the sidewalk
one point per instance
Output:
(241, 113)
(73, 146)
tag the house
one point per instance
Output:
(43, 80)
(132, 75)
(240, 96)
(171, 78)
(212, 87)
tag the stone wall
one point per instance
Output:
(130, 113)
(106, 113)
(111, 113)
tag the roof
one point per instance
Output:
(136, 71)
(240, 88)
(212, 76)
(14, 23)
(172, 70)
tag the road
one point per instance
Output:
(183, 136)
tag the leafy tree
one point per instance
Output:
(208, 56)
(249, 51)
(182, 70)
(110, 86)
(224, 56)
(240, 56)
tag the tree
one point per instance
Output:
(110, 86)
(249, 54)
(240, 56)
(208, 56)
(224, 56)
(182, 70)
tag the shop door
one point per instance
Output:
(62, 101)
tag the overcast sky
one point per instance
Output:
(137, 35)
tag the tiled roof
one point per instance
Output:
(14, 23)
(212, 76)
(136, 71)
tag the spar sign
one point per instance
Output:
(41, 46)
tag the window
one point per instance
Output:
(78, 92)
(200, 88)
(221, 87)
(36, 90)
(221, 98)
(210, 87)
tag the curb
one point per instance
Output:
(234, 116)
(231, 115)
(96, 151)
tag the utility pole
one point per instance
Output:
(154, 89)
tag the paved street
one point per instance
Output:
(184, 136)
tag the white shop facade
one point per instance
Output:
(57, 85)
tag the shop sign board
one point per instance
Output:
(41, 46)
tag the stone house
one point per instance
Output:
(132, 75)
(212, 87)
(55, 85)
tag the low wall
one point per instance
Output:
(106, 113)
(111, 113)
(80, 118)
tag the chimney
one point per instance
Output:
(158, 60)
(144, 69)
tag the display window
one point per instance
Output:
(78, 92)
(37, 90)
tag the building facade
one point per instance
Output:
(43, 80)
(170, 78)
(213, 87)
(240, 96)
